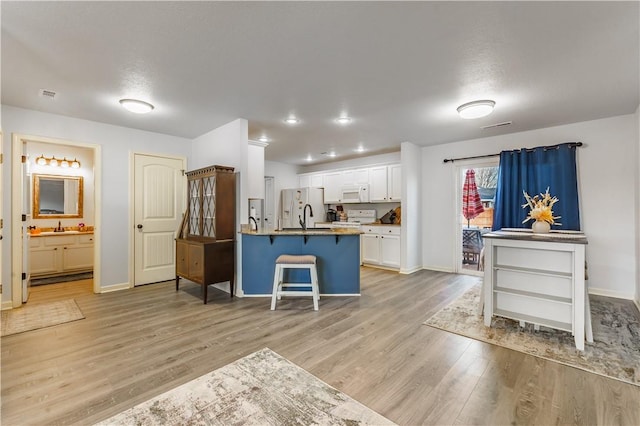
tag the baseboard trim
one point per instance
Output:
(115, 287)
(610, 293)
(438, 269)
(411, 270)
(637, 303)
(7, 304)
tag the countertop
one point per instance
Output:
(310, 231)
(51, 233)
(526, 234)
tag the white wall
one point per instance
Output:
(255, 153)
(228, 145)
(284, 176)
(411, 249)
(637, 197)
(117, 144)
(84, 156)
(606, 187)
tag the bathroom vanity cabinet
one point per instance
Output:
(60, 254)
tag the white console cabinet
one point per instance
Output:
(60, 254)
(380, 246)
(537, 278)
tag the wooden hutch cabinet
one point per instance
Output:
(205, 247)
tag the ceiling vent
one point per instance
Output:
(491, 126)
(46, 93)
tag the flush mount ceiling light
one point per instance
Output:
(291, 120)
(343, 120)
(137, 106)
(476, 109)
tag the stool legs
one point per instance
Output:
(280, 287)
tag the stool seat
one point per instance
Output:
(306, 259)
(280, 288)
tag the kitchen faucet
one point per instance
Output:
(303, 220)
(251, 218)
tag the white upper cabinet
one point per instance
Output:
(394, 186)
(378, 184)
(333, 187)
(313, 180)
(355, 177)
(317, 180)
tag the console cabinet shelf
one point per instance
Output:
(205, 247)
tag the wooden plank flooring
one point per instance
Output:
(138, 343)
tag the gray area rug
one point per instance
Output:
(33, 317)
(260, 389)
(62, 278)
(614, 353)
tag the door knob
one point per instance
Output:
(139, 226)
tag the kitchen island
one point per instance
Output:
(337, 252)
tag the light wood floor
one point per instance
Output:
(138, 343)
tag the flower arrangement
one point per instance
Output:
(540, 208)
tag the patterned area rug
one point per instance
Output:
(260, 389)
(614, 353)
(62, 278)
(34, 317)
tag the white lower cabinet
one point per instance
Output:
(380, 246)
(60, 254)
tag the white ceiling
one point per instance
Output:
(399, 69)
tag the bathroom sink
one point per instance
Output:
(57, 233)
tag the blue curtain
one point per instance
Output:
(533, 170)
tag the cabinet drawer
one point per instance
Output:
(369, 229)
(556, 314)
(389, 230)
(548, 260)
(85, 239)
(558, 286)
(59, 241)
(35, 242)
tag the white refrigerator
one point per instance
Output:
(292, 204)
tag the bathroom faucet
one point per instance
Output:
(251, 218)
(303, 220)
(59, 228)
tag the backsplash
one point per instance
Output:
(380, 208)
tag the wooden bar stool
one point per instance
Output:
(280, 288)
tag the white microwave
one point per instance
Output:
(355, 194)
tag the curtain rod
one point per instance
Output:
(571, 144)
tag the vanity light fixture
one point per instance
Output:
(291, 120)
(136, 106)
(344, 120)
(54, 162)
(476, 109)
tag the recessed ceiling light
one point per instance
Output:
(137, 106)
(343, 120)
(476, 109)
(331, 154)
(359, 149)
(291, 120)
(309, 158)
(263, 139)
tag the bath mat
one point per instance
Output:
(615, 352)
(33, 317)
(260, 389)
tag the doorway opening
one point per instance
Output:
(54, 217)
(476, 188)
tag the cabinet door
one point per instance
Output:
(182, 259)
(370, 248)
(77, 257)
(378, 184)
(395, 183)
(361, 176)
(316, 181)
(333, 188)
(196, 262)
(45, 260)
(390, 250)
(304, 181)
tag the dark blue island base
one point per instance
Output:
(337, 256)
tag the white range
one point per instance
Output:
(356, 218)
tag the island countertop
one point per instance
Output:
(309, 231)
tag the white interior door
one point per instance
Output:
(158, 207)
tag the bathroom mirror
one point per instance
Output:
(57, 196)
